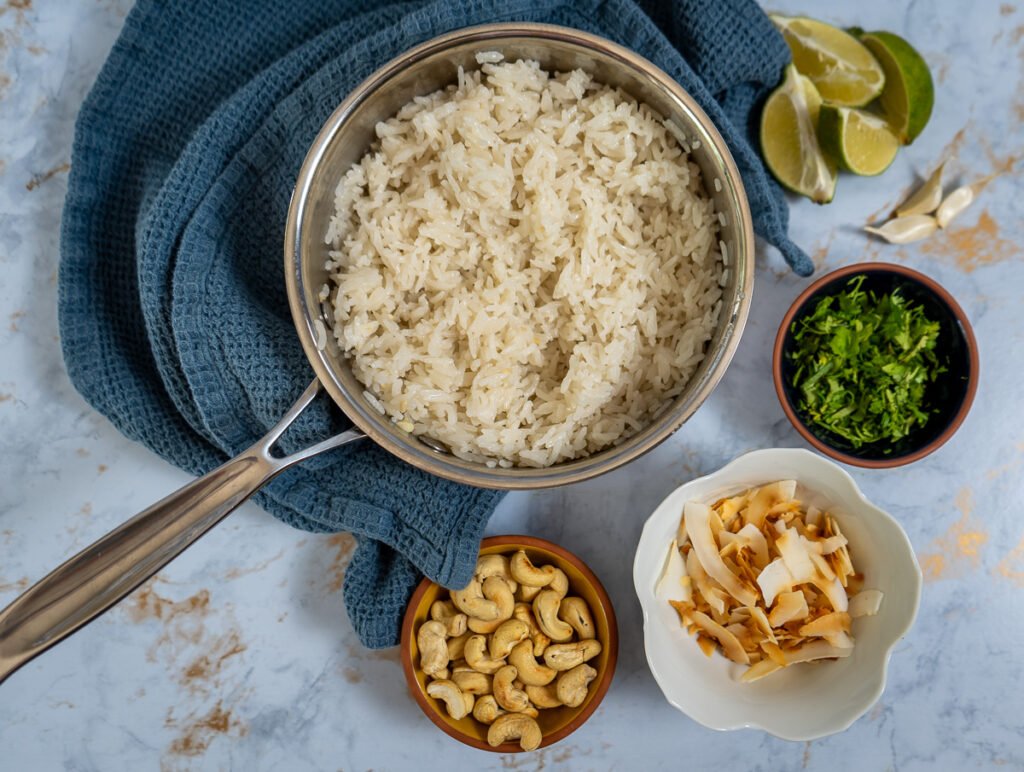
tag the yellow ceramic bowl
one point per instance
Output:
(555, 723)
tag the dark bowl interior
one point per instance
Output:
(946, 396)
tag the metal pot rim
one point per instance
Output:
(731, 321)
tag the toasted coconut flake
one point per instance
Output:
(740, 631)
(707, 645)
(748, 572)
(813, 517)
(705, 590)
(740, 614)
(840, 640)
(715, 522)
(721, 618)
(730, 645)
(774, 653)
(725, 538)
(833, 590)
(774, 579)
(794, 552)
(681, 537)
(766, 497)
(728, 509)
(821, 565)
(829, 624)
(760, 620)
(865, 603)
(788, 509)
(673, 574)
(718, 599)
(789, 606)
(685, 611)
(699, 528)
(831, 544)
(813, 650)
(760, 670)
(751, 537)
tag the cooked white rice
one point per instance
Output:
(525, 266)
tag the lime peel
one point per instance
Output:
(909, 93)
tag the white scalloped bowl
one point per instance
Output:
(802, 702)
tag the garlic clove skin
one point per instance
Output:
(953, 205)
(927, 198)
(961, 198)
(905, 230)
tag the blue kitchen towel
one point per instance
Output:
(174, 320)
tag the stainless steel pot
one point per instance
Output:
(98, 577)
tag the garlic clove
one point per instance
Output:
(904, 230)
(961, 198)
(953, 204)
(925, 199)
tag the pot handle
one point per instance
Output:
(99, 576)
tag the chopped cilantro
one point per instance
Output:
(862, 364)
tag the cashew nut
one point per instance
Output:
(506, 694)
(566, 656)
(525, 613)
(486, 709)
(454, 622)
(526, 573)
(515, 726)
(470, 600)
(433, 649)
(478, 658)
(576, 613)
(495, 565)
(526, 593)
(572, 685)
(531, 672)
(497, 590)
(456, 646)
(459, 703)
(511, 632)
(559, 583)
(543, 696)
(484, 628)
(545, 609)
(472, 682)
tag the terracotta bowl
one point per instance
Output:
(555, 723)
(950, 395)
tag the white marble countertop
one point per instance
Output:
(240, 655)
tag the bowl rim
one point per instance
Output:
(945, 297)
(612, 646)
(731, 324)
(645, 597)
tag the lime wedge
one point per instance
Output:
(789, 141)
(909, 94)
(862, 143)
(842, 69)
